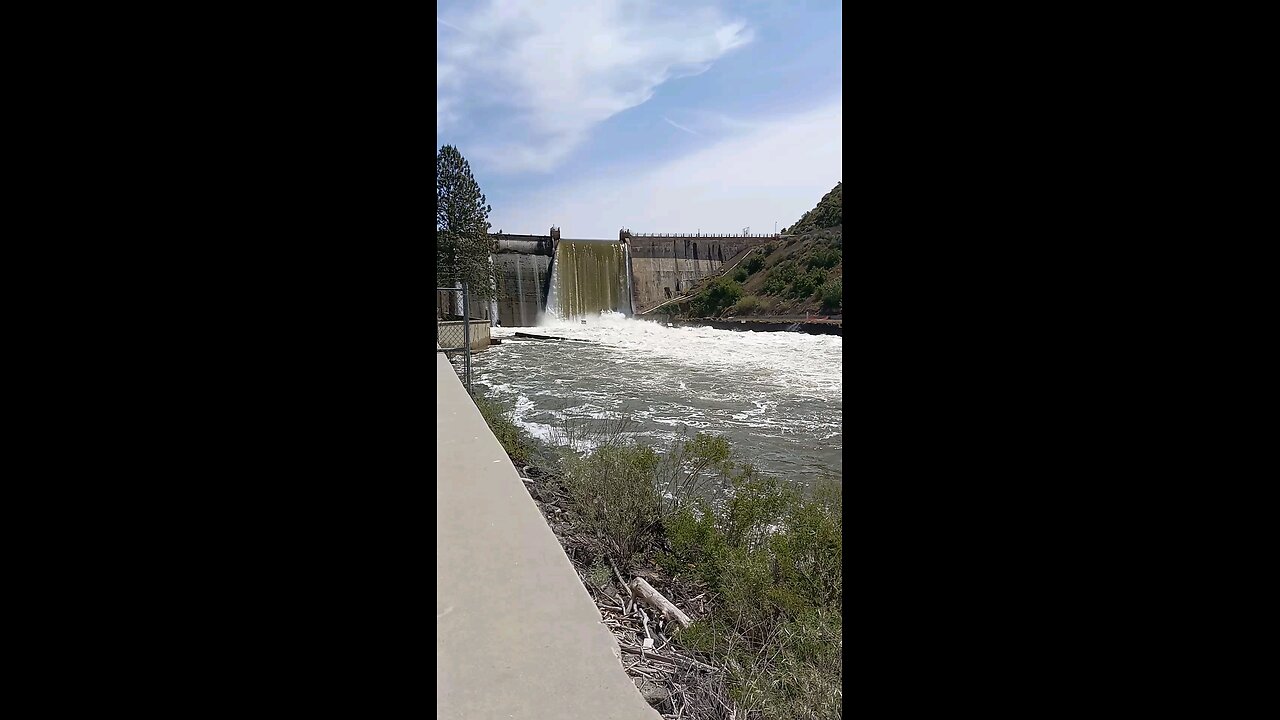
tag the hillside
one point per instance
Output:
(827, 214)
(800, 274)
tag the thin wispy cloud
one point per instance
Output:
(543, 73)
(678, 126)
(771, 173)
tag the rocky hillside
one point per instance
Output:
(797, 275)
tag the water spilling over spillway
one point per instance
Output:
(776, 396)
(588, 278)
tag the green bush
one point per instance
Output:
(805, 285)
(614, 497)
(832, 294)
(741, 275)
(787, 271)
(824, 258)
(797, 675)
(618, 491)
(774, 286)
(717, 296)
(694, 543)
(755, 263)
(774, 559)
(779, 278)
(745, 306)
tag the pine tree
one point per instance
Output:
(462, 226)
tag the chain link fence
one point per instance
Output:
(452, 335)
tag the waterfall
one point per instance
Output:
(493, 300)
(629, 301)
(588, 278)
(520, 290)
(553, 292)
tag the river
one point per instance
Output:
(776, 396)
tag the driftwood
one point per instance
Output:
(646, 592)
(678, 661)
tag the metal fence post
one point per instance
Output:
(466, 332)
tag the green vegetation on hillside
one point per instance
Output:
(828, 213)
(797, 275)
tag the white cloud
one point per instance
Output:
(678, 126)
(547, 71)
(775, 171)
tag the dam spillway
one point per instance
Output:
(541, 276)
(589, 277)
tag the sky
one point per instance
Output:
(596, 115)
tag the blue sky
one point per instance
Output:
(660, 117)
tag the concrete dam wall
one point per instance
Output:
(575, 277)
(522, 266)
(663, 266)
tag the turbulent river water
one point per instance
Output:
(776, 396)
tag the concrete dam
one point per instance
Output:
(522, 267)
(571, 278)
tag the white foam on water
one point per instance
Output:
(776, 395)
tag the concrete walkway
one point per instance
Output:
(517, 636)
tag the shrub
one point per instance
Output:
(694, 542)
(774, 286)
(619, 492)
(832, 294)
(774, 559)
(780, 277)
(614, 497)
(809, 553)
(755, 263)
(740, 275)
(746, 305)
(786, 271)
(804, 285)
(824, 258)
(717, 296)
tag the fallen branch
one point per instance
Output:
(677, 661)
(646, 592)
(621, 582)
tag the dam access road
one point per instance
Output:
(517, 636)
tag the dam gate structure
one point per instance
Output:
(540, 275)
